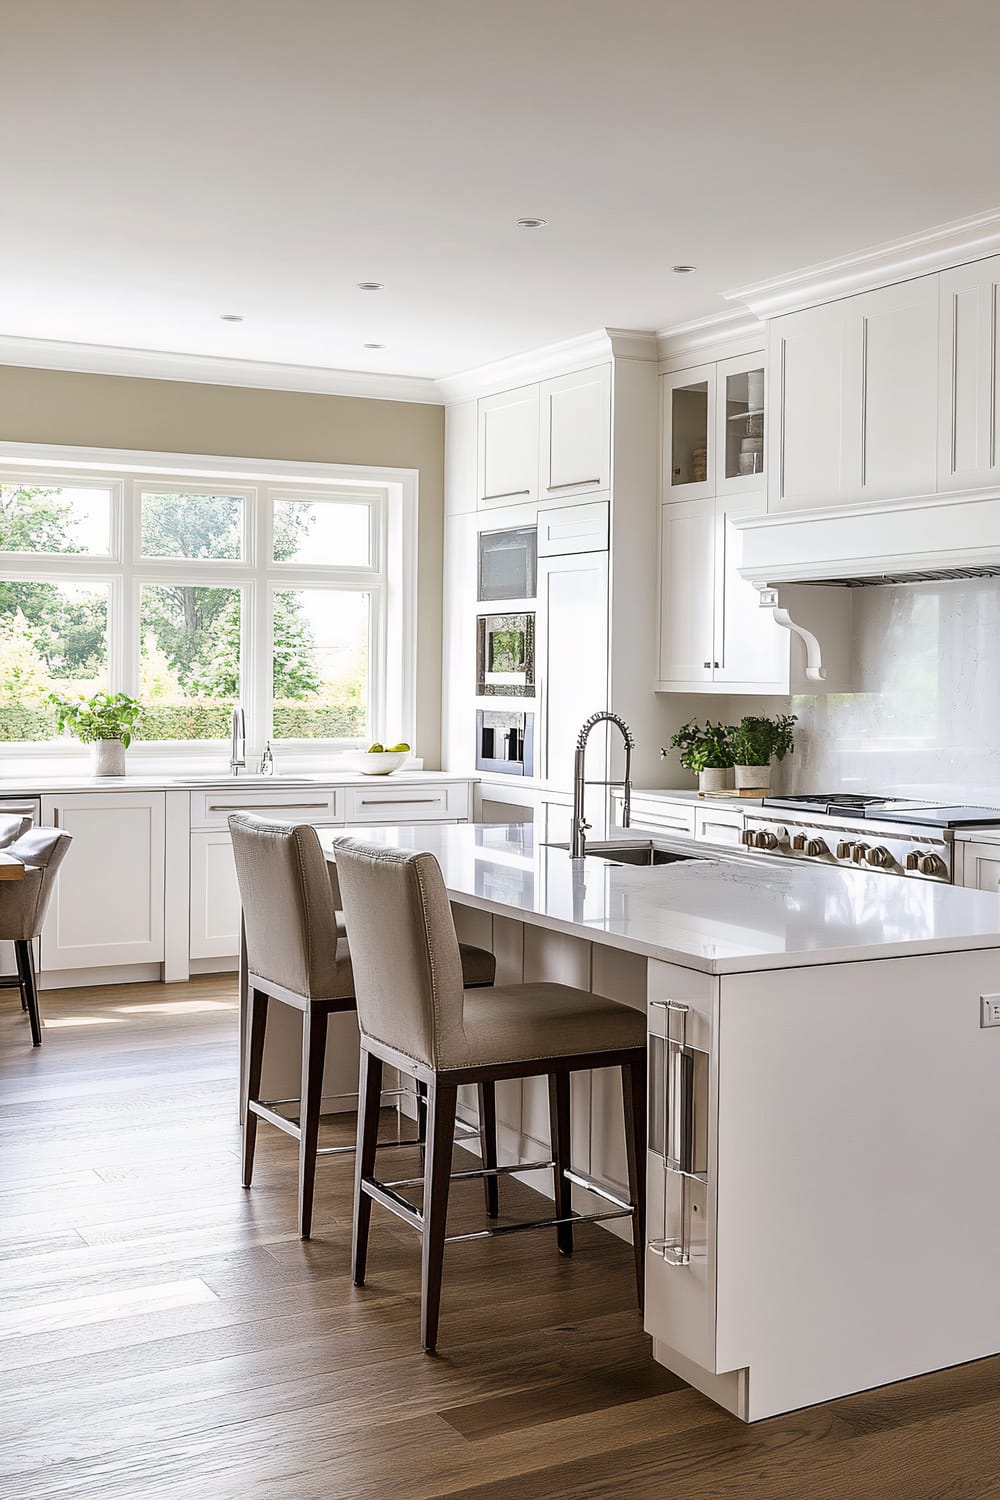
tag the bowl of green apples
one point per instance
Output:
(379, 761)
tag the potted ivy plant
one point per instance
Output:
(705, 749)
(756, 742)
(105, 721)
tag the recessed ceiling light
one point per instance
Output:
(373, 346)
(231, 317)
(683, 270)
(370, 286)
(532, 223)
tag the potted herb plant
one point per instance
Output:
(106, 722)
(706, 750)
(755, 743)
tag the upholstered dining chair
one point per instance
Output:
(415, 1013)
(298, 954)
(23, 905)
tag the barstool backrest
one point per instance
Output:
(288, 908)
(12, 825)
(407, 963)
(23, 903)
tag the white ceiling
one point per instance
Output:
(163, 163)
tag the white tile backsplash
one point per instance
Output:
(925, 721)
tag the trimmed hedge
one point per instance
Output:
(19, 723)
(205, 720)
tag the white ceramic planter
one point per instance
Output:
(713, 779)
(753, 778)
(107, 758)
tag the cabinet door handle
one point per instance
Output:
(399, 801)
(679, 1142)
(571, 484)
(709, 665)
(278, 807)
(505, 494)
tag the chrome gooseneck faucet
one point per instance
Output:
(578, 832)
(238, 750)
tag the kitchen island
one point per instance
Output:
(825, 1116)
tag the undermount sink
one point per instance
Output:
(631, 854)
(223, 779)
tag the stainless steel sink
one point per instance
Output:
(631, 854)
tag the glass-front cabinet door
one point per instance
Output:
(688, 458)
(740, 424)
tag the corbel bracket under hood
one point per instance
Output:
(814, 668)
(928, 538)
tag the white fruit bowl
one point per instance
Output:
(382, 763)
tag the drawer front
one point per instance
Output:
(406, 804)
(718, 825)
(297, 805)
(665, 817)
(573, 528)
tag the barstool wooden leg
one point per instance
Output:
(257, 1030)
(488, 1144)
(634, 1099)
(25, 954)
(559, 1132)
(441, 1101)
(369, 1104)
(313, 1058)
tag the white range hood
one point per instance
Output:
(932, 537)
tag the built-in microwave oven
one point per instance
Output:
(506, 656)
(508, 563)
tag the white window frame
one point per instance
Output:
(391, 581)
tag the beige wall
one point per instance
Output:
(111, 411)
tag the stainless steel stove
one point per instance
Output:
(890, 834)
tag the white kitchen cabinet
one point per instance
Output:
(215, 895)
(854, 399)
(437, 802)
(508, 447)
(718, 825)
(658, 815)
(572, 649)
(688, 424)
(739, 426)
(713, 634)
(107, 907)
(575, 433)
(969, 401)
(574, 528)
(687, 592)
(980, 866)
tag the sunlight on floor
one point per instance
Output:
(54, 1023)
(176, 1007)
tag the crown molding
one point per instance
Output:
(921, 254)
(718, 336)
(206, 369)
(552, 359)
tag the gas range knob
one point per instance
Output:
(799, 842)
(845, 849)
(749, 838)
(859, 853)
(816, 847)
(880, 857)
(767, 840)
(913, 859)
(932, 864)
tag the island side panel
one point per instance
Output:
(858, 1207)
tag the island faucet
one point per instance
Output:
(238, 750)
(578, 830)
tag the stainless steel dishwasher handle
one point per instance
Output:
(678, 1155)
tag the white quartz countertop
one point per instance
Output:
(690, 795)
(30, 786)
(720, 913)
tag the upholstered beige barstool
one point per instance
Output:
(23, 905)
(297, 954)
(416, 1014)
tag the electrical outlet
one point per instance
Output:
(989, 1010)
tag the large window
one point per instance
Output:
(196, 595)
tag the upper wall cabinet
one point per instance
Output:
(713, 429)
(855, 391)
(508, 447)
(969, 414)
(575, 434)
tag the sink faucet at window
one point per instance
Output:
(578, 831)
(238, 751)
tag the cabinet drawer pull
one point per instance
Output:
(571, 484)
(398, 801)
(505, 494)
(277, 807)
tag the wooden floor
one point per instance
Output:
(163, 1332)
